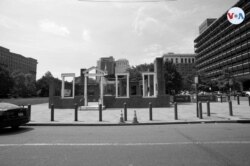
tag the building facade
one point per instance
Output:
(206, 24)
(225, 46)
(185, 63)
(17, 62)
(107, 64)
(121, 65)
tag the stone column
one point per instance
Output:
(116, 86)
(127, 85)
(62, 89)
(101, 89)
(85, 91)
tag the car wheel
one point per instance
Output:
(15, 127)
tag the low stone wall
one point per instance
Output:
(207, 98)
(65, 103)
(183, 98)
(136, 101)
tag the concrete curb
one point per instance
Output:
(131, 124)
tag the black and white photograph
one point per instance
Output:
(124, 83)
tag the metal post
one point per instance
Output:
(230, 108)
(228, 98)
(208, 108)
(200, 110)
(29, 107)
(221, 98)
(125, 111)
(238, 99)
(100, 112)
(150, 111)
(175, 111)
(52, 112)
(76, 112)
(29, 111)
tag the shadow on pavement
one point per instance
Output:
(10, 131)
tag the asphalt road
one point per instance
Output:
(163, 145)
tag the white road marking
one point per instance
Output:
(126, 144)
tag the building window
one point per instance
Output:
(193, 60)
(189, 60)
(181, 60)
(176, 60)
(185, 60)
(172, 60)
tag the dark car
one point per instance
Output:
(13, 116)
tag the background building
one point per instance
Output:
(121, 65)
(224, 46)
(17, 62)
(206, 24)
(107, 64)
(185, 63)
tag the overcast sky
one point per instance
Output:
(66, 35)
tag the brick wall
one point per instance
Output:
(65, 103)
(136, 101)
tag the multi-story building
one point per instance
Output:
(185, 63)
(223, 45)
(206, 24)
(107, 64)
(121, 65)
(17, 62)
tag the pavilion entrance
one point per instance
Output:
(93, 88)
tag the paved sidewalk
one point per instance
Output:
(40, 115)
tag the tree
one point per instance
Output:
(226, 82)
(24, 85)
(6, 83)
(173, 79)
(189, 83)
(43, 84)
(135, 71)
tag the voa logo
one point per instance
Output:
(235, 15)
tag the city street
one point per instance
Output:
(156, 145)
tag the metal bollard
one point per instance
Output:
(175, 111)
(197, 109)
(249, 100)
(29, 107)
(200, 110)
(208, 108)
(52, 112)
(125, 111)
(238, 99)
(29, 110)
(150, 111)
(228, 98)
(76, 112)
(230, 108)
(100, 112)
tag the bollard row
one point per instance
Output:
(199, 112)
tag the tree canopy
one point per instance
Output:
(173, 79)
(6, 83)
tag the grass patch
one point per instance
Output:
(26, 101)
